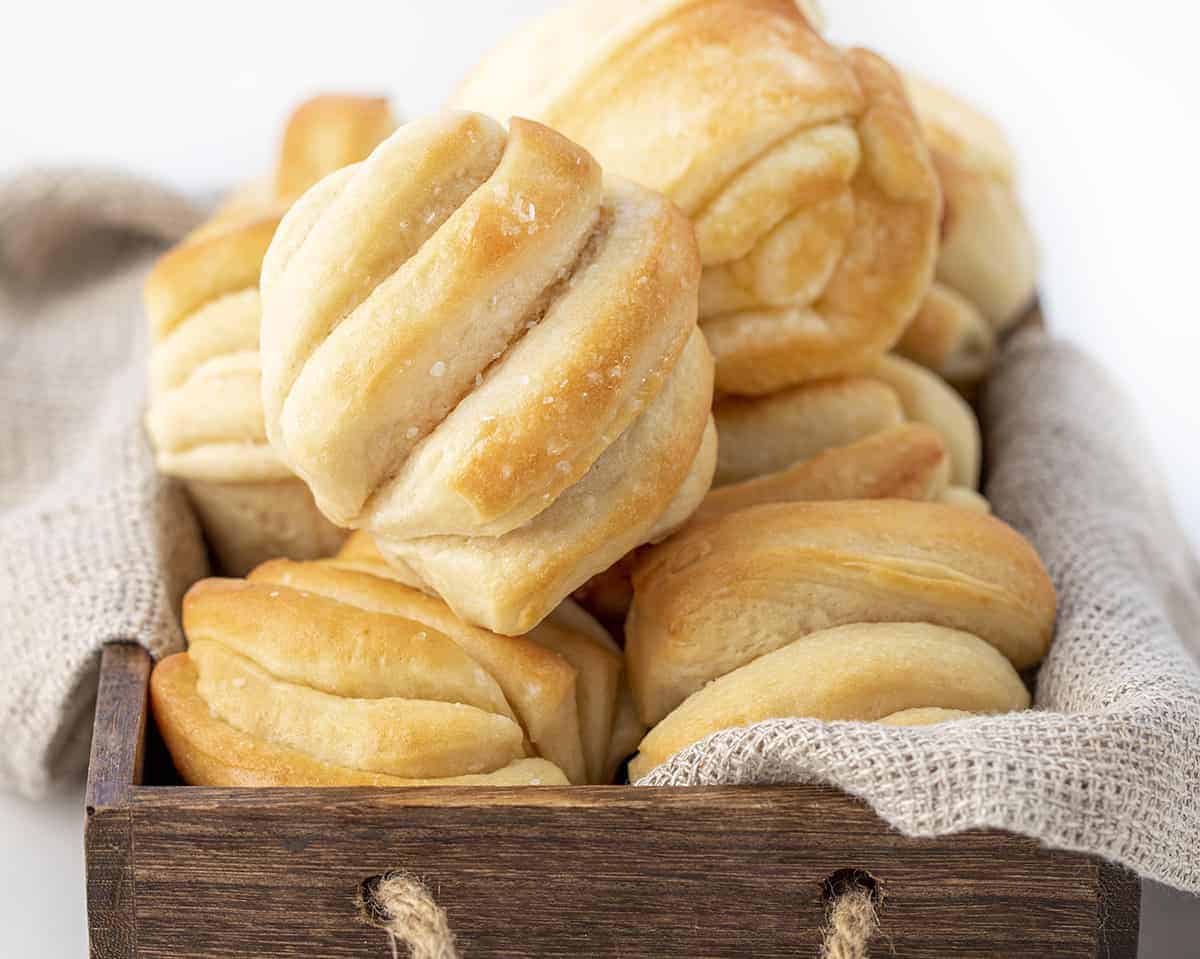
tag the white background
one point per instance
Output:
(1100, 97)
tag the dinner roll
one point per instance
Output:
(205, 417)
(987, 253)
(771, 433)
(950, 337)
(722, 593)
(482, 351)
(768, 434)
(888, 672)
(358, 674)
(802, 165)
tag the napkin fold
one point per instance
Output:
(95, 546)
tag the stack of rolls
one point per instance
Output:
(693, 342)
(894, 431)
(330, 672)
(802, 166)
(987, 261)
(988, 254)
(205, 417)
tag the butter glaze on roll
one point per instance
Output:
(722, 593)
(480, 350)
(802, 165)
(359, 676)
(205, 417)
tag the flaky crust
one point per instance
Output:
(722, 593)
(864, 672)
(353, 671)
(205, 418)
(540, 686)
(602, 691)
(768, 434)
(484, 353)
(760, 436)
(207, 751)
(988, 253)
(902, 462)
(802, 166)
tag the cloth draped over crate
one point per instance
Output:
(97, 548)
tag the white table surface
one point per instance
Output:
(1099, 97)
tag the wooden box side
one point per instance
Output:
(194, 872)
(114, 769)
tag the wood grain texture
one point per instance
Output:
(119, 728)
(118, 736)
(587, 871)
(1119, 905)
(179, 872)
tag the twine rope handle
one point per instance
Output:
(404, 908)
(851, 897)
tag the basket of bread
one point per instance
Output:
(609, 556)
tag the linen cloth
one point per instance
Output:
(96, 547)
(1108, 761)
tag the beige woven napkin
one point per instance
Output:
(1109, 761)
(94, 547)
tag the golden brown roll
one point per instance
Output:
(888, 672)
(802, 166)
(988, 253)
(210, 752)
(926, 398)
(480, 350)
(359, 675)
(605, 715)
(722, 593)
(768, 434)
(902, 462)
(950, 337)
(205, 417)
(327, 133)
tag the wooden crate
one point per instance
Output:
(177, 871)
